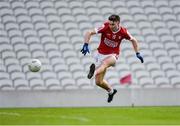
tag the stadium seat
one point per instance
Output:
(142, 73)
(112, 74)
(76, 67)
(6, 84)
(176, 60)
(53, 54)
(158, 24)
(153, 66)
(157, 73)
(156, 45)
(83, 83)
(79, 74)
(18, 40)
(38, 54)
(118, 4)
(173, 52)
(132, 3)
(74, 4)
(4, 75)
(176, 9)
(77, 11)
(10, 61)
(31, 4)
(35, 46)
(114, 81)
(69, 83)
(16, 74)
(93, 11)
(64, 74)
(6, 49)
(59, 4)
(52, 83)
(44, 4)
(150, 10)
(55, 25)
(168, 66)
(19, 9)
(58, 67)
(172, 24)
(146, 82)
(161, 82)
(88, 4)
(136, 10)
(161, 3)
(165, 10)
(50, 47)
(175, 81)
(169, 17)
(41, 25)
(21, 84)
(37, 84)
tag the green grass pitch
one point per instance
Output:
(91, 116)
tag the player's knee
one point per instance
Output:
(98, 81)
(104, 64)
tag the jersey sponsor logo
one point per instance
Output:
(110, 43)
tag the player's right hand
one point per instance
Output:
(85, 49)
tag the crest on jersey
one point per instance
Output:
(114, 37)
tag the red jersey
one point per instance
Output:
(110, 41)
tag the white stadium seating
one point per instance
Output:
(52, 31)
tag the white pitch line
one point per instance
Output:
(83, 119)
(10, 113)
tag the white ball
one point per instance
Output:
(34, 65)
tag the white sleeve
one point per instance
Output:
(99, 29)
(96, 30)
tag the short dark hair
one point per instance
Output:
(114, 17)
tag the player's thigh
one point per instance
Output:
(109, 61)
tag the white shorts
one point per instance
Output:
(100, 57)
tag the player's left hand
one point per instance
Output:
(139, 57)
(85, 49)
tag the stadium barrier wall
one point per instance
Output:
(91, 98)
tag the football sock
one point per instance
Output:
(110, 91)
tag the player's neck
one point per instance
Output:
(115, 29)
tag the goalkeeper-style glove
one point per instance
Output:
(85, 49)
(139, 57)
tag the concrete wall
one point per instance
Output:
(87, 98)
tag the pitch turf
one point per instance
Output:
(91, 116)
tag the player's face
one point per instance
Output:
(114, 25)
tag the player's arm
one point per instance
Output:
(136, 48)
(87, 37)
(135, 44)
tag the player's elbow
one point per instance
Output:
(135, 44)
(90, 32)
